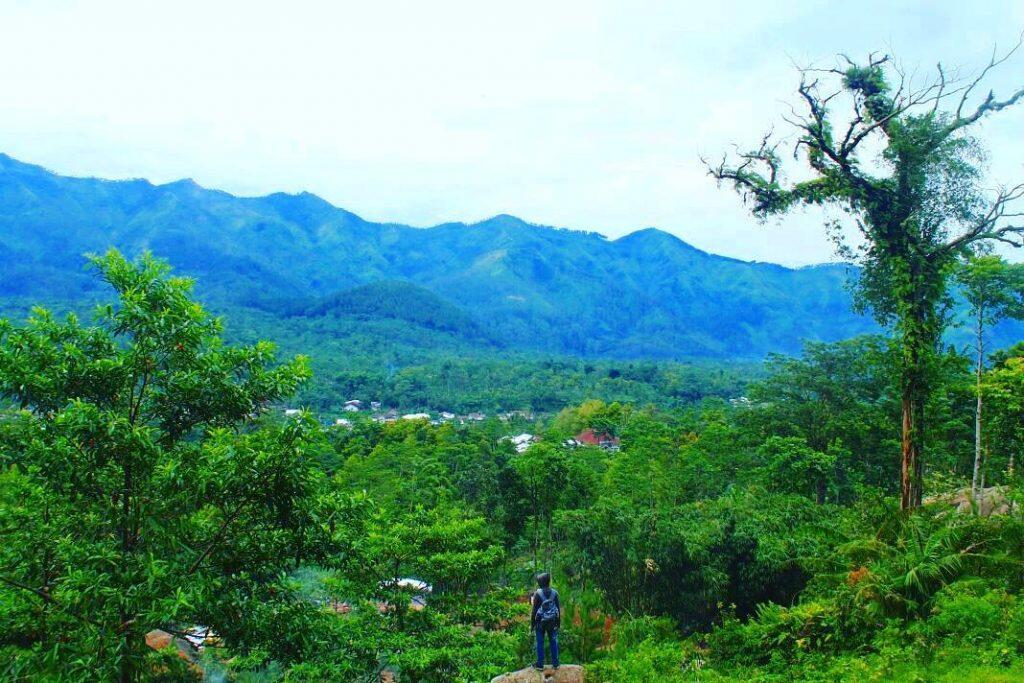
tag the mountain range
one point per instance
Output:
(500, 283)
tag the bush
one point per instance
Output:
(789, 632)
(650, 661)
(630, 633)
(965, 613)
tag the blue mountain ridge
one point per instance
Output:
(513, 283)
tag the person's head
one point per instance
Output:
(544, 580)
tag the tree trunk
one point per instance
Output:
(910, 455)
(984, 468)
(912, 400)
(126, 674)
(536, 527)
(976, 479)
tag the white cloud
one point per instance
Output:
(590, 115)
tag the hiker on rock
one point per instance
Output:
(545, 619)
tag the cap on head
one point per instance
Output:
(544, 580)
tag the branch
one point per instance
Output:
(216, 538)
(820, 141)
(987, 227)
(990, 104)
(756, 176)
(219, 534)
(45, 596)
(942, 88)
(901, 104)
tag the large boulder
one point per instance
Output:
(567, 673)
(990, 501)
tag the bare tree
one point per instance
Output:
(919, 205)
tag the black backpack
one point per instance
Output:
(548, 613)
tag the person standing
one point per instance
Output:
(545, 619)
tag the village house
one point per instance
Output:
(588, 437)
(521, 442)
(416, 416)
(516, 415)
(388, 416)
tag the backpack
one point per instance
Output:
(547, 613)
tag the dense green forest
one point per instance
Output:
(149, 484)
(409, 367)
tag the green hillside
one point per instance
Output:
(525, 286)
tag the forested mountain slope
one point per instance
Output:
(499, 283)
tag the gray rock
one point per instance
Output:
(567, 673)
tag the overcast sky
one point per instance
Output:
(589, 115)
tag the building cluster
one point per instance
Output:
(520, 442)
(588, 437)
(378, 413)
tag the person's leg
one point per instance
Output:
(540, 648)
(553, 642)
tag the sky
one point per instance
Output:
(589, 115)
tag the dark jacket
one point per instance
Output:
(536, 600)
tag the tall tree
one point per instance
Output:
(994, 289)
(918, 206)
(840, 393)
(1004, 385)
(137, 491)
(543, 471)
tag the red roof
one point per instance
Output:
(589, 437)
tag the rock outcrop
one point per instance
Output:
(990, 501)
(567, 673)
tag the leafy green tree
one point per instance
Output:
(792, 466)
(543, 470)
(400, 466)
(139, 491)
(1005, 387)
(594, 414)
(918, 208)
(440, 633)
(689, 561)
(1000, 356)
(994, 289)
(449, 550)
(833, 393)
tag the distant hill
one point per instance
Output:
(500, 282)
(389, 300)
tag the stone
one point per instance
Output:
(567, 673)
(159, 639)
(990, 501)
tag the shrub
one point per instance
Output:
(631, 632)
(650, 661)
(966, 615)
